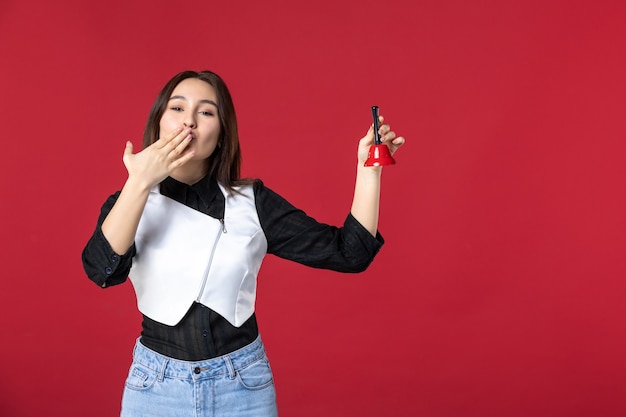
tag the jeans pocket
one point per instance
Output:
(140, 378)
(257, 375)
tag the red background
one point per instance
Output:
(500, 290)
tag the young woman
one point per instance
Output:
(191, 235)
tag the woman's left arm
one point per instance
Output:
(367, 186)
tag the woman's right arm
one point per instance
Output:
(113, 239)
(145, 170)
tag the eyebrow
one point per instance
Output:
(206, 100)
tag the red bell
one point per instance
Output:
(378, 154)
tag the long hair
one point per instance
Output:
(225, 161)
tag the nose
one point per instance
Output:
(189, 121)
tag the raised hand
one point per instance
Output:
(145, 170)
(154, 163)
(387, 136)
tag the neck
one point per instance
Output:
(191, 172)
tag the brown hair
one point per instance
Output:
(225, 161)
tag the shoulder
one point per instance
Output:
(265, 198)
(255, 186)
(265, 195)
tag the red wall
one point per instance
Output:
(500, 290)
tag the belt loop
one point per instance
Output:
(229, 365)
(161, 375)
(135, 348)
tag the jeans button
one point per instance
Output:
(197, 370)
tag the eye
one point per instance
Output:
(206, 113)
(176, 108)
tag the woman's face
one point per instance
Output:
(193, 104)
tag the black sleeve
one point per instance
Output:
(293, 235)
(102, 265)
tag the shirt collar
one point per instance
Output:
(206, 190)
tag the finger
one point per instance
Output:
(382, 127)
(128, 153)
(182, 137)
(396, 143)
(181, 146)
(183, 159)
(128, 150)
(380, 122)
(388, 136)
(169, 136)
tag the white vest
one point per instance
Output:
(185, 256)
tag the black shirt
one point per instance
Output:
(290, 234)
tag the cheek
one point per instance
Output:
(168, 123)
(211, 130)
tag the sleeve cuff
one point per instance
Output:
(108, 267)
(360, 240)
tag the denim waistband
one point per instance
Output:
(175, 368)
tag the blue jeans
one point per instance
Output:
(235, 385)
